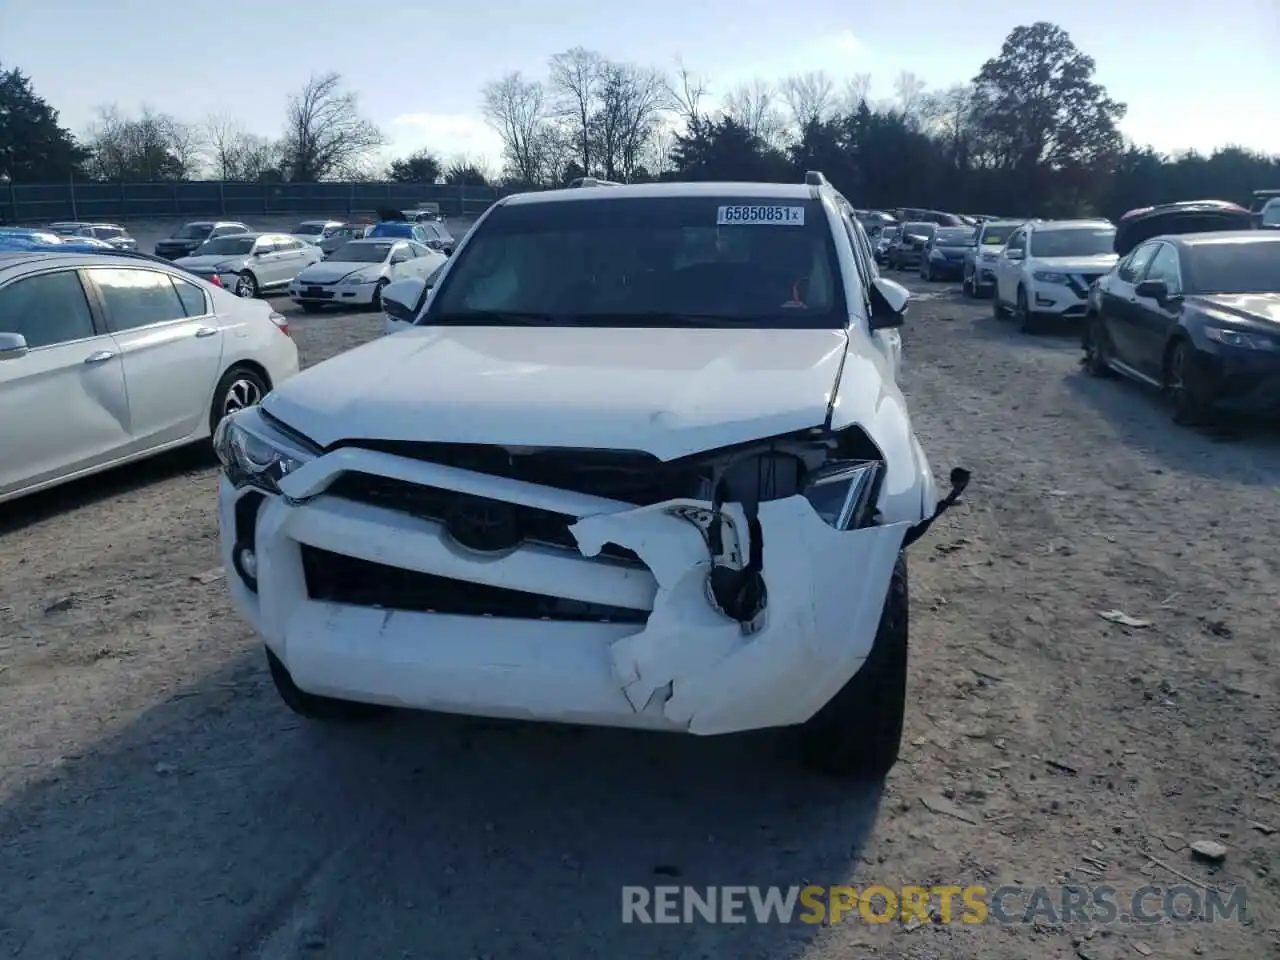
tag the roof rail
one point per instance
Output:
(593, 182)
(814, 178)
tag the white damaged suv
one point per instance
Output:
(641, 460)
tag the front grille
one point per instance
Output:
(335, 578)
(629, 476)
(317, 293)
(533, 525)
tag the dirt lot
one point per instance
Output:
(156, 800)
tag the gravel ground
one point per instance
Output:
(156, 800)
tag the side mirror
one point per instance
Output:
(1013, 254)
(888, 303)
(13, 346)
(402, 299)
(1156, 290)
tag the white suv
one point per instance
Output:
(1047, 267)
(640, 461)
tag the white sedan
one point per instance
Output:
(106, 359)
(356, 273)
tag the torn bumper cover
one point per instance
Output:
(637, 644)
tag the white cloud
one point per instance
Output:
(846, 42)
(446, 134)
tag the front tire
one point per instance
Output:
(967, 287)
(314, 707)
(1187, 403)
(858, 733)
(376, 302)
(247, 286)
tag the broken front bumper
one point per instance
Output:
(668, 660)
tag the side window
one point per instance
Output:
(265, 246)
(137, 298)
(858, 258)
(1136, 264)
(1165, 266)
(419, 250)
(1271, 214)
(435, 275)
(194, 303)
(400, 253)
(226, 231)
(1018, 241)
(47, 309)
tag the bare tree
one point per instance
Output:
(325, 135)
(755, 107)
(150, 146)
(517, 109)
(857, 91)
(910, 91)
(576, 79)
(631, 101)
(809, 96)
(189, 146)
(235, 154)
(687, 93)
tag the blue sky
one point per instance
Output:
(1194, 74)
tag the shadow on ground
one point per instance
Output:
(217, 818)
(1240, 450)
(35, 508)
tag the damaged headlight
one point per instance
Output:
(252, 454)
(842, 492)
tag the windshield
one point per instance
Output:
(193, 231)
(392, 230)
(361, 252)
(309, 229)
(654, 262)
(226, 247)
(1235, 267)
(997, 236)
(66, 229)
(955, 237)
(1075, 242)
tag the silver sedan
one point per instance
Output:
(250, 264)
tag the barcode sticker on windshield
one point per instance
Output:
(763, 215)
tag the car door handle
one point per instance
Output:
(102, 356)
(205, 332)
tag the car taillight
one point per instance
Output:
(217, 281)
(281, 322)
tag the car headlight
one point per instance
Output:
(842, 491)
(1046, 277)
(257, 457)
(1239, 338)
(358, 279)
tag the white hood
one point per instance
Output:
(1102, 261)
(665, 392)
(332, 271)
(209, 262)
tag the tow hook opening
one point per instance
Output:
(959, 481)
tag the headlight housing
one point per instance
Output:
(1045, 276)
(842, 492)
(254, 455)
(1240, 338)
(357, 279)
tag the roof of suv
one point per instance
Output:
(654, 191)
(1069, 224)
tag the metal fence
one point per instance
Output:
(46, 202)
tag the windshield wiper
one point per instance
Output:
(493, 318)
